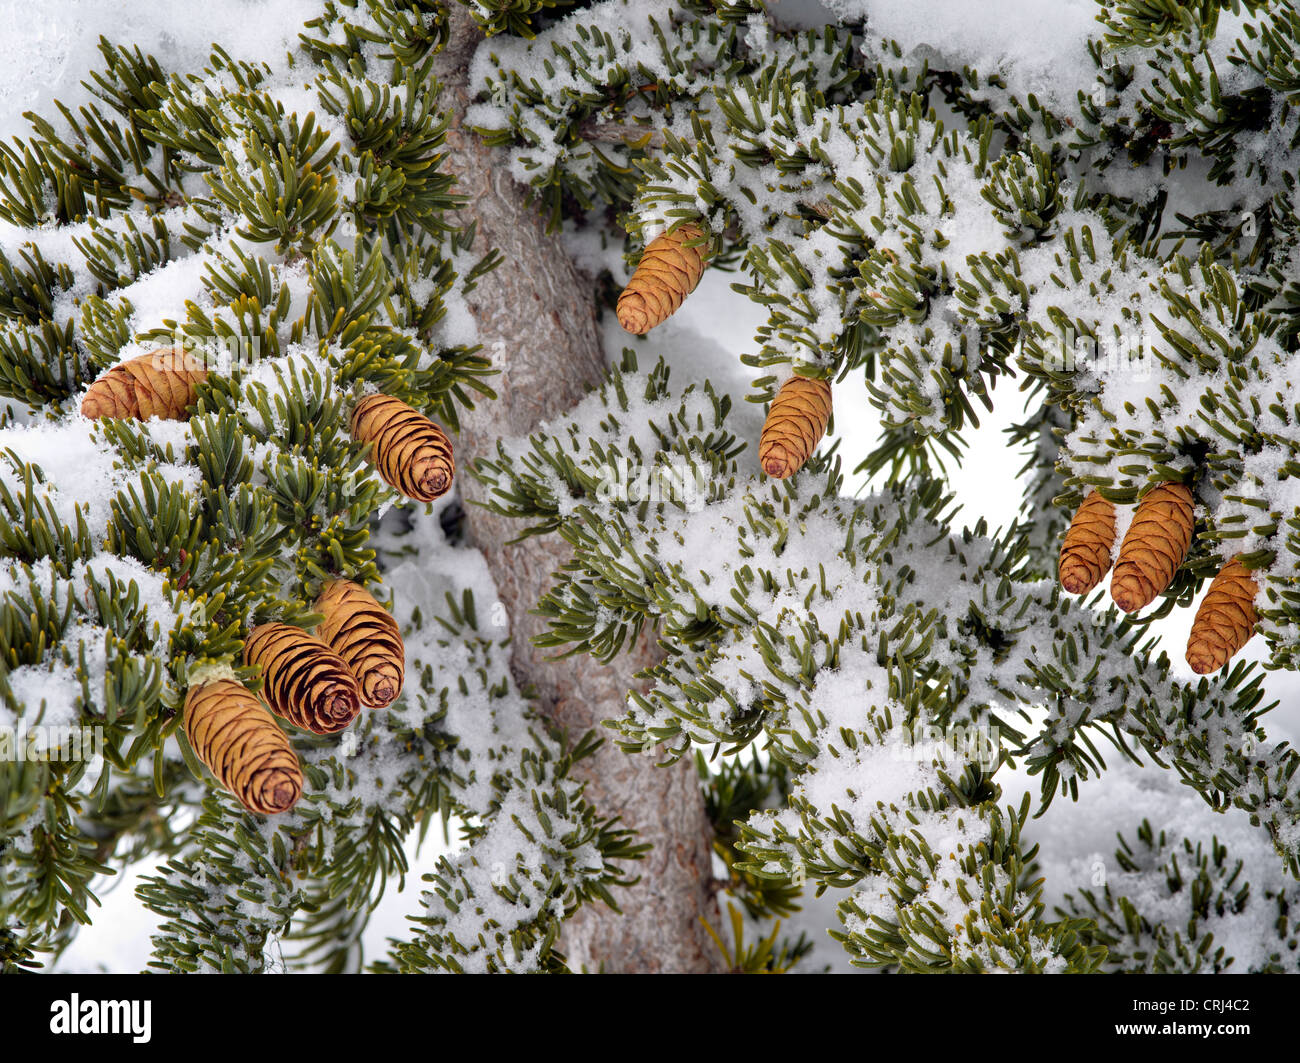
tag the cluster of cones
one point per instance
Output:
(1154, 547)
(317, 682)
(668, 271)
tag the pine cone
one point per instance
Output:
(1085, 553)
(412, 454)
(1225, 620)
(1155, 545)
(158, 384)
(795, 424)
(306, 682)
(365, 635)
(233, 734)
(665, 276)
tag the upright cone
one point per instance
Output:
(1225, 619)
(1155, 545)
(1085, 553)
(233, 734)
(795, 425)
(305, 681)
(411, 453)
(159, 384)
(667, 273)
(365, 635)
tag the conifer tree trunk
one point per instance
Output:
(537, 324)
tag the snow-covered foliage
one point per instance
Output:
(286, 219)
(1100, 205)
(1097, 209)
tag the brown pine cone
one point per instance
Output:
(365, 635)
(411, 453)
(1155, 545)
(159, 384)
(1085, 553)
(795, 425)
(1225, 619)
(667, 273)
(231, 731)
(304, 681)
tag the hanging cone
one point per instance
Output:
(411, 453)
(233, 734)
(795, 425)
(1085, 553)
(1155, 545)
(159, 384)
(1225, 620)
(665, 276)
(305, 681)
(365, 635)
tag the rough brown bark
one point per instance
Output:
(536, 323)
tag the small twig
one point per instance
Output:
(617, 133)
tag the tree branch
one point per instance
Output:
(536, 323)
